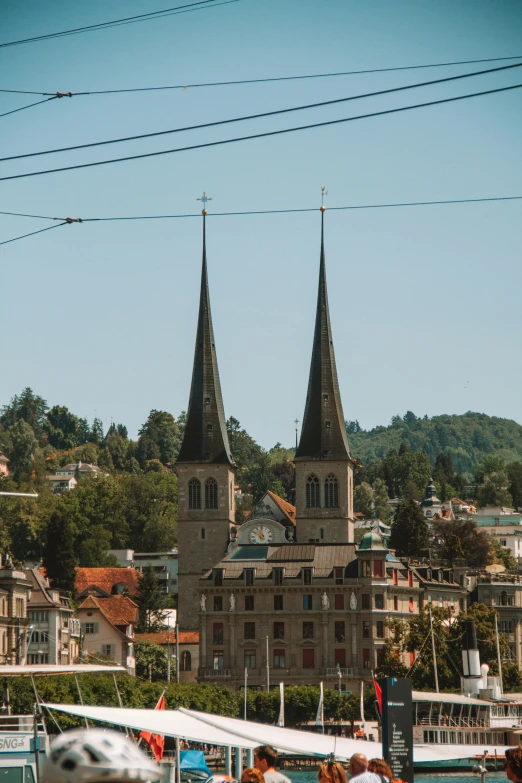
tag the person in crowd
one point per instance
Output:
(382, 769)
(331, 772)
(94, 755)
(252, 775)
(359, 770)
(265, 759)
(514, 764)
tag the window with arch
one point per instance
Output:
(194, 493)
(211, 493)
(312, 492)
(331, 492)
(186, 661)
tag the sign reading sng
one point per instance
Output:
(15, 743)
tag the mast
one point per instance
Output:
(499, 659)
(434, 654)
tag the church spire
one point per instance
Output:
(205, 438)
(323, 433)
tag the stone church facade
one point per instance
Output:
(292, 598)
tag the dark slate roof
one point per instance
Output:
(323, 434)
(205, 438)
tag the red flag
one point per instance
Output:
(156, 741)
(378, 693)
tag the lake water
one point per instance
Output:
(451, 777)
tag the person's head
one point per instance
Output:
(358, 764)
(380, 767)
(331, 772)
(252, 775)
(514, 764)
(265, 758)
(94, 755)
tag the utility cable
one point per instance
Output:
(117, 22)
(14, 239)
(266, 134)
(29, 106)
(261, 115)
(273, 78)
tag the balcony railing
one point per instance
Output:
(215, 673)
(335, 672)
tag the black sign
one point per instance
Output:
(397, 727)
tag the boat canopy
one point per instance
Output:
(217, 730)
(449, 698)
(16, 670)
(194, 760)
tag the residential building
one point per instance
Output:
(504, 593)
(4, 469)
(107, 628)
(62, 483)
(164, 564)
(105, 582)
(442, 586)
(54, 634)
(81, 469)
(188, 650)
(15, 592)
(505, 525)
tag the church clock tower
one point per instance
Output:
(205, 469)
(324, 468)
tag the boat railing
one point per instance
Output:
(447, 722)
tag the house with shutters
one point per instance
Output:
(54, 635)
(107, 630)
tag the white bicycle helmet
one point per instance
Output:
(95, 755)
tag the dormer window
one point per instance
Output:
(440, 575)
(307, 576)
(218, 577)
(249, 577)
(277, 574)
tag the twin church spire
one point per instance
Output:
(323, 434)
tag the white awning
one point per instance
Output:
(217, 730)
(49, 668)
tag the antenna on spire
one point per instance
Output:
(204, 198)
(324, 193)
(296, 422)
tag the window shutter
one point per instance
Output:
(82, 625)
(96, 627)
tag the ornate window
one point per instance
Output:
(331, 492)
(194, 493)
(211, 493)
(312, 492)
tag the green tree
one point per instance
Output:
(152, 601)
(380, 500)
(244, 448)
(23, 449)
(28, 407)
(462, 539)
(363, 500)
(494, 491)
(64, 430)
(502, 554)
(96, 432)
(409, 530)
(490, 464)
(59, 557)
(161, 430)
(151, 661)
(514, 472)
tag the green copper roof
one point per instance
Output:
(372, 541)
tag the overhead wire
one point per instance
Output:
(261, 115)
(273, 78)
(266, 134)
(68, 221)
(117, 22)
(28, 106)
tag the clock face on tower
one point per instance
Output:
(261, 535)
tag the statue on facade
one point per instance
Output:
(203, 602)
(353, 601)
(325, 602)
(290, 533)
(232, 602)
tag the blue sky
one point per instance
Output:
(425, 301)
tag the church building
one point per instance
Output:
(287, 595)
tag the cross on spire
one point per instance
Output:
(324, 193)
(204, 198)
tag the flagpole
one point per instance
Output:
(245, 695)
(267, 668)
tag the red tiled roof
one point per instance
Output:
(162, 637)
(118, 609)
(287, 508)
(106, 578)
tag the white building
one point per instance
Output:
(53, 634)
(165, 565)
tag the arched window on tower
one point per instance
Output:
(211, 493)
(186, 661)
(312, 492)
(331, 492)
(194, 493)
